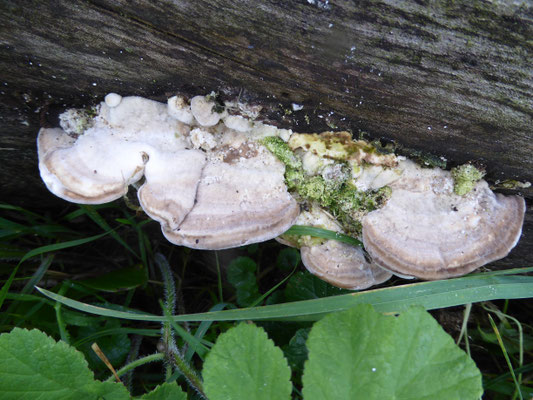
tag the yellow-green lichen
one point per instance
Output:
(465, 178)
(336, 145)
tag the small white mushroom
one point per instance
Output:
(427, 231)
(342, 265)
(337, 263)
(241, 199)
(204, 111)
(92, 170)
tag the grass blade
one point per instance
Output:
(302, 230)
(430, 295)
(504, 350)
(102, 223)
(42, 250)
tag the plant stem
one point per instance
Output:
(189, 373)
(169, 307)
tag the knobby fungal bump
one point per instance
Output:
(215, 177)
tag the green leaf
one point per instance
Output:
(119, 279)
(33, 364)
(245, 364)
(296, 350)
(91, 212)
(305, 286)
(241, 274)
(166, 391)
(361, 354)
(288, 258)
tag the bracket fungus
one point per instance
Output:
(225, 194)
(340, 264)
(428, 231)
(215, 177)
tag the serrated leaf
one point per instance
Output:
(241, 274)
(305, 286)
(166, 391)
(245, 364)
(362, 354)
(33, 364)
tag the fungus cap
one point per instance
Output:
(98, 165)
(427, 231)
(241, 199)
(342, 265)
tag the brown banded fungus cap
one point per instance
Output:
(208, 187)
(241, 199)
(337, 263)
(342, 265)
(427, 231)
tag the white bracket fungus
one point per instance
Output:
(215, 181)
(340, 264)
(228, 194)
(427, 231)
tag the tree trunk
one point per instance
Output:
(453, 78)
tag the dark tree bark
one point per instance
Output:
(453, 78)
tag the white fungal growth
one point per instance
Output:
(113, 99)
(178, 108)
(202, 139)
(215, 180)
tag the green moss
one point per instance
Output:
(282, 151)
(343, 200)
(465, 177)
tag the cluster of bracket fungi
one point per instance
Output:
(214, 177)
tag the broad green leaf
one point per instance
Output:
(166, 391)
(32, 363)
(241, 274)
(288, 258)
(119, 279)
(362, 354)
(245, 364)
(305, 286)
